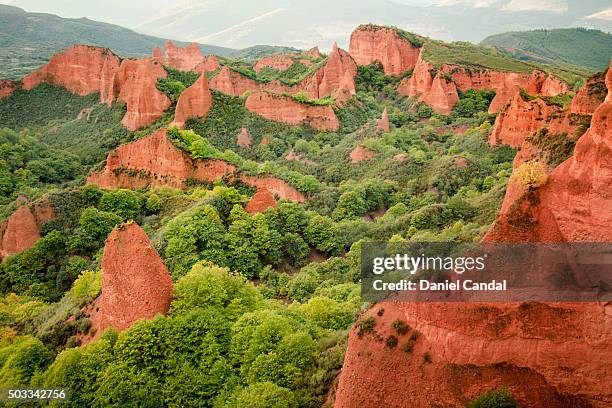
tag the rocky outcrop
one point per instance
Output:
(519, 119)
(135, 282)
(442, 96)
(506, 85)
(244, 139)
(78, 69)
(546, 355)
(183, 59)
(346, 88)
(285, 109)
(372, 43)
(7, 88)
(276, 186)
(260, 202)
(232, 83)
(313, 53)
(158, 54)
(575, 202)
(278, 62)
(155, 161)
(211, 64)
(135, 82)
(21, 230)
(383, 122)
(590, 96)
(360, 153)
(340, 67)
(194, 102)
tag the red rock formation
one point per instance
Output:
(211, 64)
(519, 119)
(260, 202)
(339, 63)
(383, 122)
(590, 96)
(232, 83)
(244, 139)
(576, 201)
(361, 153)
(135, 282)
(276, 186)
(155, 161)
(7, 88)
(285, 109)
(313, 52)
(78, 69)
(21, 230)
(371, 43)
(136, 82)
(184, 59)
(505, 84)
(278, 62)
(194, 101)
(346, 88)
(547, 355)
(158, 54)
(442, 96)
(108, 92)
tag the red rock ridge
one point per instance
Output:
(260, 202)
(21, 230)
(576, 200)
(194, 101)
(278, 62)
(78, 69)
(232, 83)
(211, 64)
(155, 161)
(395, 53)
(7, 88)
(285, 109)
(590, 96)
(505, 84)
(276, 186)
(136, 83)
(183, 59)
(135, 282)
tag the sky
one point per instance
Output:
(299, 23)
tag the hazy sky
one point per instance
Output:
(303, 23)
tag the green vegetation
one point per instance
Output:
(495, 399)
(295, 74)
(582, 47)
(28, 40)
(259, 51)
(176, 82)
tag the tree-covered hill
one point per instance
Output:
(27, 40)
(574, 46)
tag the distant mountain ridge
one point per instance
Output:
(27, 40)
(582, 47)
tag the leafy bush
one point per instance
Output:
(495, 399)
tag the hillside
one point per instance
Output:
(566, 46)
(187, 230)
(27, 40)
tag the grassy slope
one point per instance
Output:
(27, 40)
(590, 49)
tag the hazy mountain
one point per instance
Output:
(27, 40)
(239, 24)
(577, 46)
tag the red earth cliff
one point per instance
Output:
(7, 88)
(183, 59)
(135, 282)
(278, 62)
(260, 202)
(506, 84)
(519, 119)
(590, 96)
(276, 186)
(21, 230)
(361, 153)
(547, 354)
(136, 81)
(155, 161)
(285, 109)
(78, 69)
(394, 52)
(383, 122)
(194, 101)
(211, 64)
